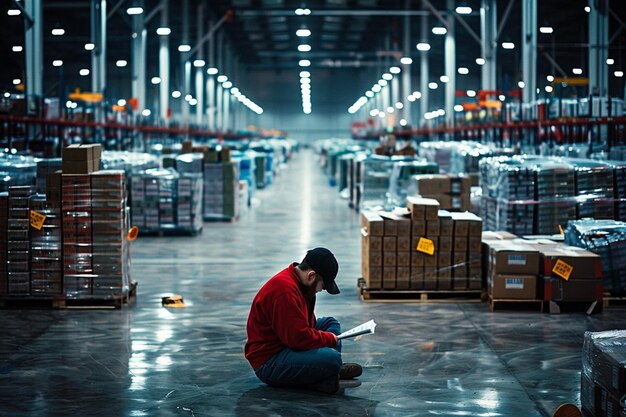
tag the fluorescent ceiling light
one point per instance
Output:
(390, 109)
(304, 63)
(163, 31)
(387, 76)
(184, 48)
(423, 46)
(403, 122)
(619, 74)
(410, 98)
(121, 102)
(521, 84)
(155, 80)
(587, 9)
(58, 32)
(382, 83)
(305, 80)
(303, 33)
(399, 105)
(471, 93)
(7, 95)
(374, 112)
(376, 88)
(577, 71)
(610, 61)
(432, 86)
(463, 70)
(121, 63)
(89, 46)
(458, 108)
(134, 10)
(222, 78)
(227, 84)
(212, 71)
(234, 91)
(417, 95)
(369, 93)
(188, 97)
(444, 79)
(305, 74)
(304, 48)
(508, 45)
(176, 94)
(14, 12)
(84, 72)
(17, 48)
(464, 10)
(439, 30)
(480, 61)
(550, 78)
(57, 63)
(406, 60)
(546, 29)
(549, 88)
(16, 81)
(395, 70)
(199, 63)
(146, 112)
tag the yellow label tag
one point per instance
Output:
(425, 246)
(37, 219)
(562, 269)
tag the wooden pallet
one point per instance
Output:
(64, 303)
(500, 304)
(558, 307)
(417, 296)
(609, 301)
(166, 233)
(217, 219)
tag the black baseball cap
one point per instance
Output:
(323, 262)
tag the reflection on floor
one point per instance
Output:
(425, 359)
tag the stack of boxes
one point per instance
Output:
(110, 248)
(422, 249)
(603, 376)
(451, 191)
(4, 220)
(571, 274)
(221, 186)
(81, 159)
(18, 245)
(46, 273)
(512, 269)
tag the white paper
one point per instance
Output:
(365, 328)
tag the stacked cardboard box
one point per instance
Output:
(46, 167)
(466, 251)
(603, 376)
(189, 202)
(110, 247)
(81, 159)
(18, 254)
(77, 236)
(571, 274)
(452, 191)
(4, 220)
(430, 258)
(513, 269)
(46, 269)
(221, 190)
(371, 249)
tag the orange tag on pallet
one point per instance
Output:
(425, 246)
(562, 269)
(37, 219)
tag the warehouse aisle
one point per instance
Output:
(441, 359)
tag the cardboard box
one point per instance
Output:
(390, 243)
(418, 228)
(446, 224)
(373, 277)
(430, 278)
(609, 373)
(445, 243)
(474, 244)
(432, 228)
(403, 277)
(372, 222)
(403, 259)
(390, 227)
(389, 277)
(417, 259)
(578, 290)
(417, 278)
(514, 287)
(390, 259)
(79, 167)
(430, 261)
(499, 235)
(77, 152)
(373, 243)
(96, 150)
(452, 202)
(398, 225)
(187, 146)
(444, 260)
(428, 184)
(404, 243)
(422, 208)
(460, 244)
(590, 395)
(514, 259)
(584, 264)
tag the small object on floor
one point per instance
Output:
(174, 301)
(567, 410)
(350, 371)
(132, 233)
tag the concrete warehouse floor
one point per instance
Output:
(146, 360)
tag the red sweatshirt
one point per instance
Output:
(279, 318)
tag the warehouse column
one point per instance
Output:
(450, 64)
(218, 87)
(198, 62)
(424, 72)
(98, 55)
(598, 47)
(34, 55)
(529, 50)
(164, 63)
(395, 93)
(138, 44)
(406, 68)
(488, 30)
(185, 66)
(210, 83)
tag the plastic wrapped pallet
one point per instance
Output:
(4, 220)
(606, 238)
(18, 244)
(603, 376)
(46, 269)
(16, 170)
(44, 168)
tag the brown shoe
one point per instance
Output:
(328, 385)
(350, 371)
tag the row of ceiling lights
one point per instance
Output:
(305, 76)
(162, 31)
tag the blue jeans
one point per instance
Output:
(292, 367)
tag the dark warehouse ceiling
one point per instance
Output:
(348, 36)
